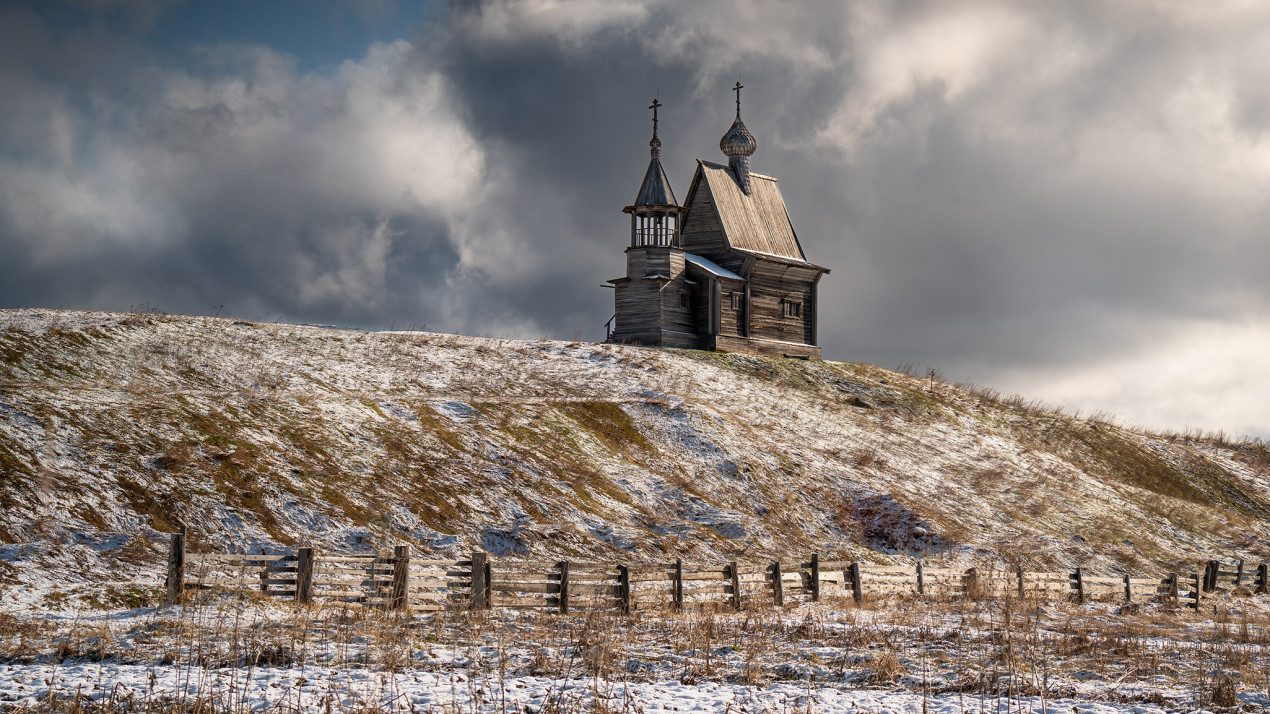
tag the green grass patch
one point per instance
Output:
(609, 422)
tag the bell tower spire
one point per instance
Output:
(655, 214)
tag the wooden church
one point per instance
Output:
(724, 271)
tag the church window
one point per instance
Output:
(683, 298)
(793, 309)
(736, 301)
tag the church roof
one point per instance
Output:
(655, 191)
(711, 267)
(756, 223)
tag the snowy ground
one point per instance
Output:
(321, 689)
(905, 656)
(117, 428)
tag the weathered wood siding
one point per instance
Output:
(638, 301)
(675, 317)
(729, 318)
(772, 348)
(771, 285)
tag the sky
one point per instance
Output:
(1065, 200)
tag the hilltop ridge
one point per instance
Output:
(115, 427)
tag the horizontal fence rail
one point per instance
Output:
(393, 580)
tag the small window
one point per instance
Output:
(736, 301)
(683, 298)
(793, 309)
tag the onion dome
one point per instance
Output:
(738, 141)
(738, 145)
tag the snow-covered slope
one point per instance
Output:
(115, 427)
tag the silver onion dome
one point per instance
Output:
(738, 141)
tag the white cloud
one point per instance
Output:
(1200, 375)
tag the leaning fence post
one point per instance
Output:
(921, 579)
(1210, 576)
(624, 588)
(399, 598)
(1239, 575)
(815, 577)
(778, 587)
(1078, 579)
(1199, 591)
(735, 575)
(678, 595)
(857, 590)
(176, 569)
(303, 576)
(480, 568)
(1128, 588)
(1018, 571)
(1173, 589)
(564, 587)
(1263, 579)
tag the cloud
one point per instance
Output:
(1033, 195)
(296, 190)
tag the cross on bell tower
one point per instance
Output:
(655, 144)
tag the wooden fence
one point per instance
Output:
(393, 580)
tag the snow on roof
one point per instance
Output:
(711, 267)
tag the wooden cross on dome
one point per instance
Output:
(654, 106)
(738, 89)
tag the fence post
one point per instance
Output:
(265, 573)
(480, 585)
(678, 595)
(1018, 571)
(1128, 589)
(1263, 579)
(735, 574)
(1239, 575)
(1199, 590)
(1173, 589)
(624, 588)
(815, 577)
(1079, 578)
(857, 592)
(778, 587)
(176, 569)
(921, 579)
(1210, 576)
(399, 596)
(970, 584)
(564, 587)
(303, 576)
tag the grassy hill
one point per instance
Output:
(115, 427)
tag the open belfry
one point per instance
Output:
(724, 271)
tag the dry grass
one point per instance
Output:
(1002, 649)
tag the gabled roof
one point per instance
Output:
(655, 191)
(757, 223)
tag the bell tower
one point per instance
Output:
(655, 292)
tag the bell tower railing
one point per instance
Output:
(655, 229)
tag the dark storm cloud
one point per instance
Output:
(1031, 195)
